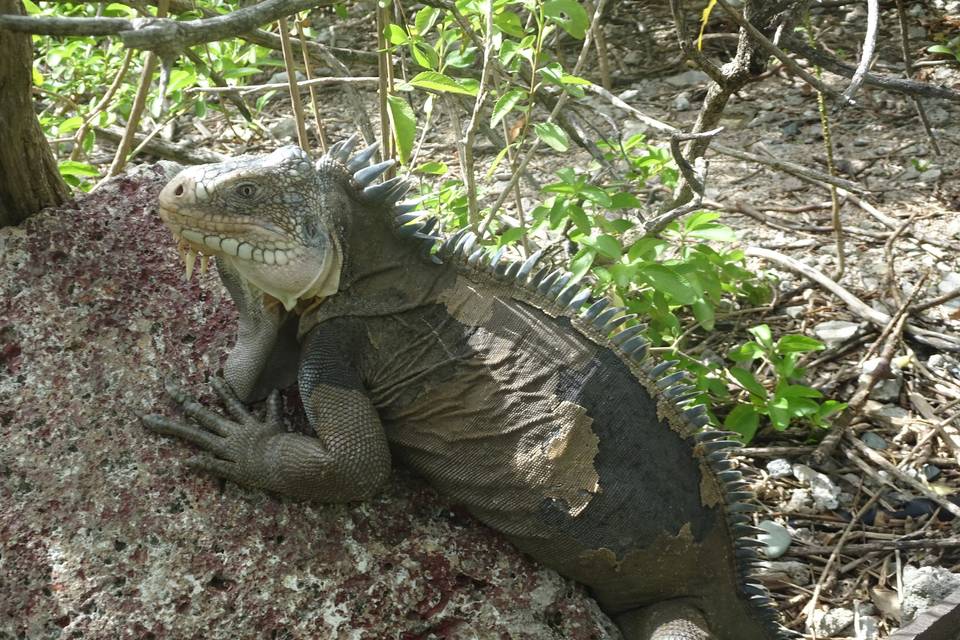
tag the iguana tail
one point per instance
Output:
(670, 620)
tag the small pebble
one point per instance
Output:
(873, 441)
(777, 538)
(835, 332)
(779, 468)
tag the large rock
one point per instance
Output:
(104, 532)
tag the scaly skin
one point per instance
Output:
(546, 423)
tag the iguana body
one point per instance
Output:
(523, 400)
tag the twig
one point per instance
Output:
(308, 70)
(95, 112)
(833, 65)
(890, 337)
(469, 137)
(166, 150)
(834, 554)
(291, 68)
(162, 34)
(774, 163)
(898, 473)
(600, 40)
(790, 167)
(869, 45)
(693, 53)
(908, 72)
(136, 110)
(780, 55)
(385, 85)
(888, 255)
(856, 305)
(774, 452)
(887, 545)
(831, 166)
(947, 297)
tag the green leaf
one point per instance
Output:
(797, 391)
(510, 235)
(432, 168)
(746, 352)
(461, 58)
(341, 10)
(436, 81)
(748, 382)
(571, 17)
(579, 218)
(716, 232)
(424, 55)
(78, 169)
(581, 263)
(496, 161)
(763, 335)
(700, 219)
(608, 247)
(704, 313)
(744, 419)
(798, 344)
(940, 48)
(830, 407)
(70, 124)
(597, 196)
(395, 34)
(552, 72)
(425, 19)
(554, 136)
(509, 23)
(505, 104)
(403, 123)
(667, 281)
(624, 200)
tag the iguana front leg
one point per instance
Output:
(348, 460)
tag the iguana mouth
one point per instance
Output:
(222, 238)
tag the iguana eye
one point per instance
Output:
(246, 189)
(310, 227)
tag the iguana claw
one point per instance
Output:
(234, 441)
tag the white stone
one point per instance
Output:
(925, 587)
(779, 468)
(688, 79)
(823, 491)
(832, 622)
(777, 538)
(835, 332)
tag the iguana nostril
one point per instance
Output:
(179, 190)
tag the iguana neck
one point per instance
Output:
(381, 273)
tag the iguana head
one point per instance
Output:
(269, 217)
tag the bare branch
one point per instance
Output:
(163, 34)
(869, 46)
(776, 52)
(838, 67)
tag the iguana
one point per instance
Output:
(512, 391)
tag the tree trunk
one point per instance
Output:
(29, 180)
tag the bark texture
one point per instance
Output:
(29, 180)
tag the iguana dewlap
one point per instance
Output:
(514, 394)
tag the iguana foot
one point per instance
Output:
(235, 446)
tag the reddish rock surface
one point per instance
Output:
(104, 532)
